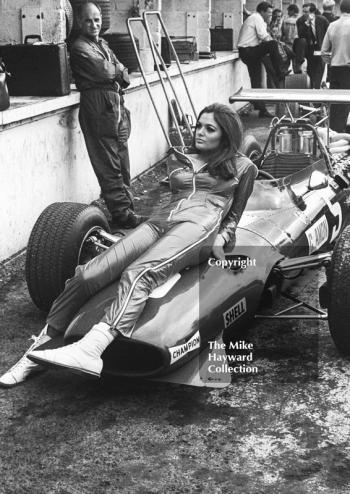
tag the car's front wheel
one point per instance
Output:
(338, 281)
(62, 238)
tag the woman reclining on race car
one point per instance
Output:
(206, 206)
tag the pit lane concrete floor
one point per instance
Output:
(284, 430)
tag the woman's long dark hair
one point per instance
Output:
(222, 163)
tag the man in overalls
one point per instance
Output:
(104, 120)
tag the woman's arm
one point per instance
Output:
(242, 192)
(89, 65)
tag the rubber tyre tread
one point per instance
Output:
(251, 146)
(338, 281)
(68, 9)
(53, 248)
(297, 81)
(293, 81)
(121, 45)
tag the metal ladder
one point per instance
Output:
(169, 91)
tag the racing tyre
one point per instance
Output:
(338, 281)
(59, 241)
(251, 148)
(121, 45)
(69, 16)
(293, 81)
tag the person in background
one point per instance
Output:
(103, 118)
(254, 43)
(313, 29)
(289, 36)
(328, 8)
(276, 24)
(336, 51)
(304, 15)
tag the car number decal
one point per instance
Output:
(335, 210)
(178, 351)
(317, 234)
(234, 312)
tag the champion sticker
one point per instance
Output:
(177, 352)
(236, 311)
(317, 235)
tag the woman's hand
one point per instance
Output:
(218, 247)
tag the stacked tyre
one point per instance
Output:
(69, 16)
(338, 281)
(293, 81)
(121, 45)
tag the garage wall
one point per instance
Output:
(43, 158)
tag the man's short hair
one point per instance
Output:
(312, 8)
(82, 7)
(263, 6)
(293, 9)
(345, 6)
(328, 4)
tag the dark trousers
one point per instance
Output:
(339, 78)
(315, 69)
(105, 123)
(253, 57)
(299, 49)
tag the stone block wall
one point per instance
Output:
(228, 14)
(184, 18)
(53, 21)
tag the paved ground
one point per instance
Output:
(284, 430)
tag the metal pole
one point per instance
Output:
(156, 55)
(176, 57)
(139, 19)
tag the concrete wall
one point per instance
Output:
(283, 4)
(120, 10)
(184, 18)
(53, 22)
(251, 4)
(228, 14)
(41, 161)
(43, 158)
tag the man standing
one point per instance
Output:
(104, 120)
(290, 37)
(336, 51)
(312, 28)
(254, 42)
(275, 25)
(328, 6)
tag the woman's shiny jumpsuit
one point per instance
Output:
(179, 235)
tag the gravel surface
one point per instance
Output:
(284, 430)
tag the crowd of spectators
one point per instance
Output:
(309, 40)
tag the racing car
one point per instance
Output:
(295, 219)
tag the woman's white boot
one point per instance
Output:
(25, 367)
(84, 356)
